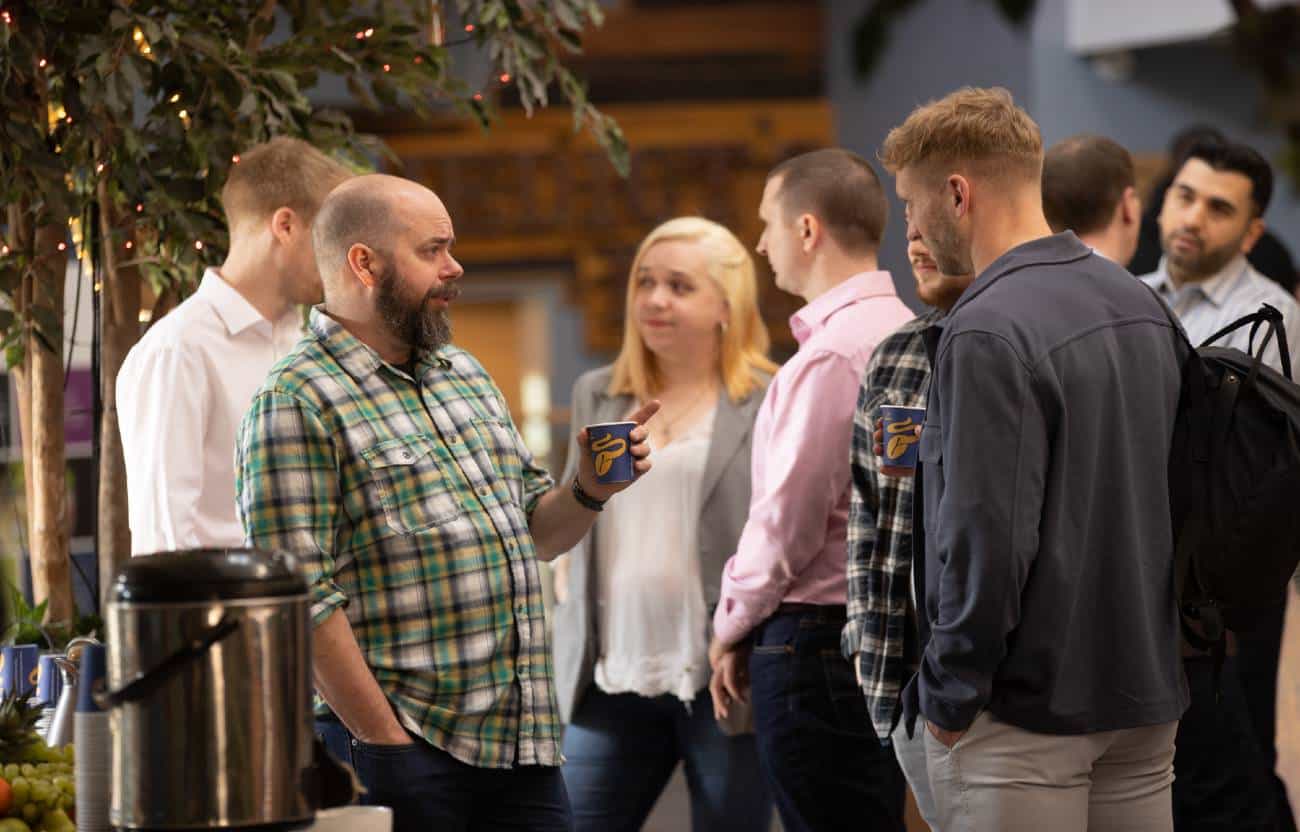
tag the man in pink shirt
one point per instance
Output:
(777, 625)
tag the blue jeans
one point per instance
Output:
(428, 789)
(822, 759)
(621, 749)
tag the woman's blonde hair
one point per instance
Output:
(743, 355)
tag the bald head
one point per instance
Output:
(375, 211)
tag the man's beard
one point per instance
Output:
(1206, 262)
(423, 326)
(949, 252)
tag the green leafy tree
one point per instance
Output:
(121, 120)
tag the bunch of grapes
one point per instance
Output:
(40, 790)
(36, 788)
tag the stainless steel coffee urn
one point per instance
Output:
(209, 668)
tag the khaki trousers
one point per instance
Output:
(1000, 778)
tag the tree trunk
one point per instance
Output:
(47, 467)
(120, 329)
(21, 241)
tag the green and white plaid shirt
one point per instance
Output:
(407, 501)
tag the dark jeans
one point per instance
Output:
(428, 789)
(1222, 782)
(1257, 658)
(620, 750)
(826, 768)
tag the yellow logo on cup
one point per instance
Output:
(608, 448)
(31, 677)
(902, 436)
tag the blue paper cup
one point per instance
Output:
(49, 681)
(18, 668)
(93, 679)
(610, 444)
(899, 424)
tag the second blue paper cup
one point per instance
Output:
(610, 444)
(899, 426)
(18, 668)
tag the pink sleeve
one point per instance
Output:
(805, 473)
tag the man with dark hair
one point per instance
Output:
(1210, 220)
(386, 460)
(782, 601)
(1049, 679)
(1089, 188)
(185, 386)
(1270, 256)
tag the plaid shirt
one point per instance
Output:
(880, 634)
(408, 503)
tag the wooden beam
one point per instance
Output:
(786, 27)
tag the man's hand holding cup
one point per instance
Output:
(896, 437)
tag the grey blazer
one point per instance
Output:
(723, 509)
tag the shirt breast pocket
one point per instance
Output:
(930, 454)
(411, 485)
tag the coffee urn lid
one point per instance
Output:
(207, 575)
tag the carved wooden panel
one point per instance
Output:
(531, 190)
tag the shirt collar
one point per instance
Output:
(358, 358)
(1044, 251)
(1215, 288)
(233, 308)
(861, 286)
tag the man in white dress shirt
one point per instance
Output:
(1211, 218)
(184, 388)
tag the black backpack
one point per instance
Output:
(1234, 484)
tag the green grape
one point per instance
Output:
(40, 791)
(31, 812)
(11, 771)
(64, 784)
(21, 787)
(28, 769)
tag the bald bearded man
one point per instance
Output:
(385, 458)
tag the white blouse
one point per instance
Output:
(653, 623)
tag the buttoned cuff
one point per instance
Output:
(851, 638)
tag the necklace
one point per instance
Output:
(668, 427)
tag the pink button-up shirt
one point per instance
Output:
(794, 544)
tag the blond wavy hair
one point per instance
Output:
(974, 125)
(743, 355)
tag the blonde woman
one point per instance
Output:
(636, 596)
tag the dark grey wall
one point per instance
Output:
(945, 44)
(1170, 87)
(938, 46)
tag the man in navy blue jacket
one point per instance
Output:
(1050, 680)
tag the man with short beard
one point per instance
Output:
(880, 636)
(1211, 218)
(385, 459)
(1049, 680)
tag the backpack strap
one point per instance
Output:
(1266, 315)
